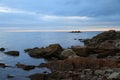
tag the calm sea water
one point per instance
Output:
(22, 40)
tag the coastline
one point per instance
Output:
(90, 61)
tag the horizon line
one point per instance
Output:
(38, 30)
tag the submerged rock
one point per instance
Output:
(12, 53)
(2, 65)
(10, 76)
(2, 49)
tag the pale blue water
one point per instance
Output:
(22, 40)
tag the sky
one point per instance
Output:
(59, 15)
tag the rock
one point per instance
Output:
(12, 53)
(99, 72)
(110, 44)
(37, 76)
(80, 63)
(56, 75)
(58, 65)
(25, 67)
(27, 50)
(9, 76)
(2, 65)
(118, 44)
(114, 75)
(68, 53)
(105, 54)
(102, 37)
(53, 50)
(80, 51)
(2, 49)
(36, 52)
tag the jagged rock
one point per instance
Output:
(53, 50)
(80, 63)
(114, 75)
(25, 67)
(99, 72)
(12, 53)
(102, 37)
(2, 49)
(106, 53)
(27, 50)
(68, 53)
(80, 51)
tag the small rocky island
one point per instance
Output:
(99, 59)
(75, 31)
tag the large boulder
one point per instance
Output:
(80, 51)
(53, 50)
(102, 37)
(36, 52)
(12, 53)
(68, 53)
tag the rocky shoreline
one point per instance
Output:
(99, 59)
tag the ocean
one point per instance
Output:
(22, 40)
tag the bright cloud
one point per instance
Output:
(53, 17)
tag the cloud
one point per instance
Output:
(4, 9)
(58, 13)
(61, 18)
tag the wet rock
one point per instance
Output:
(12, 53)
(114, 75)
(2, 65)
(80, 51)
(2, 49)
(25, 67)
(68, 53)
(10, 76)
